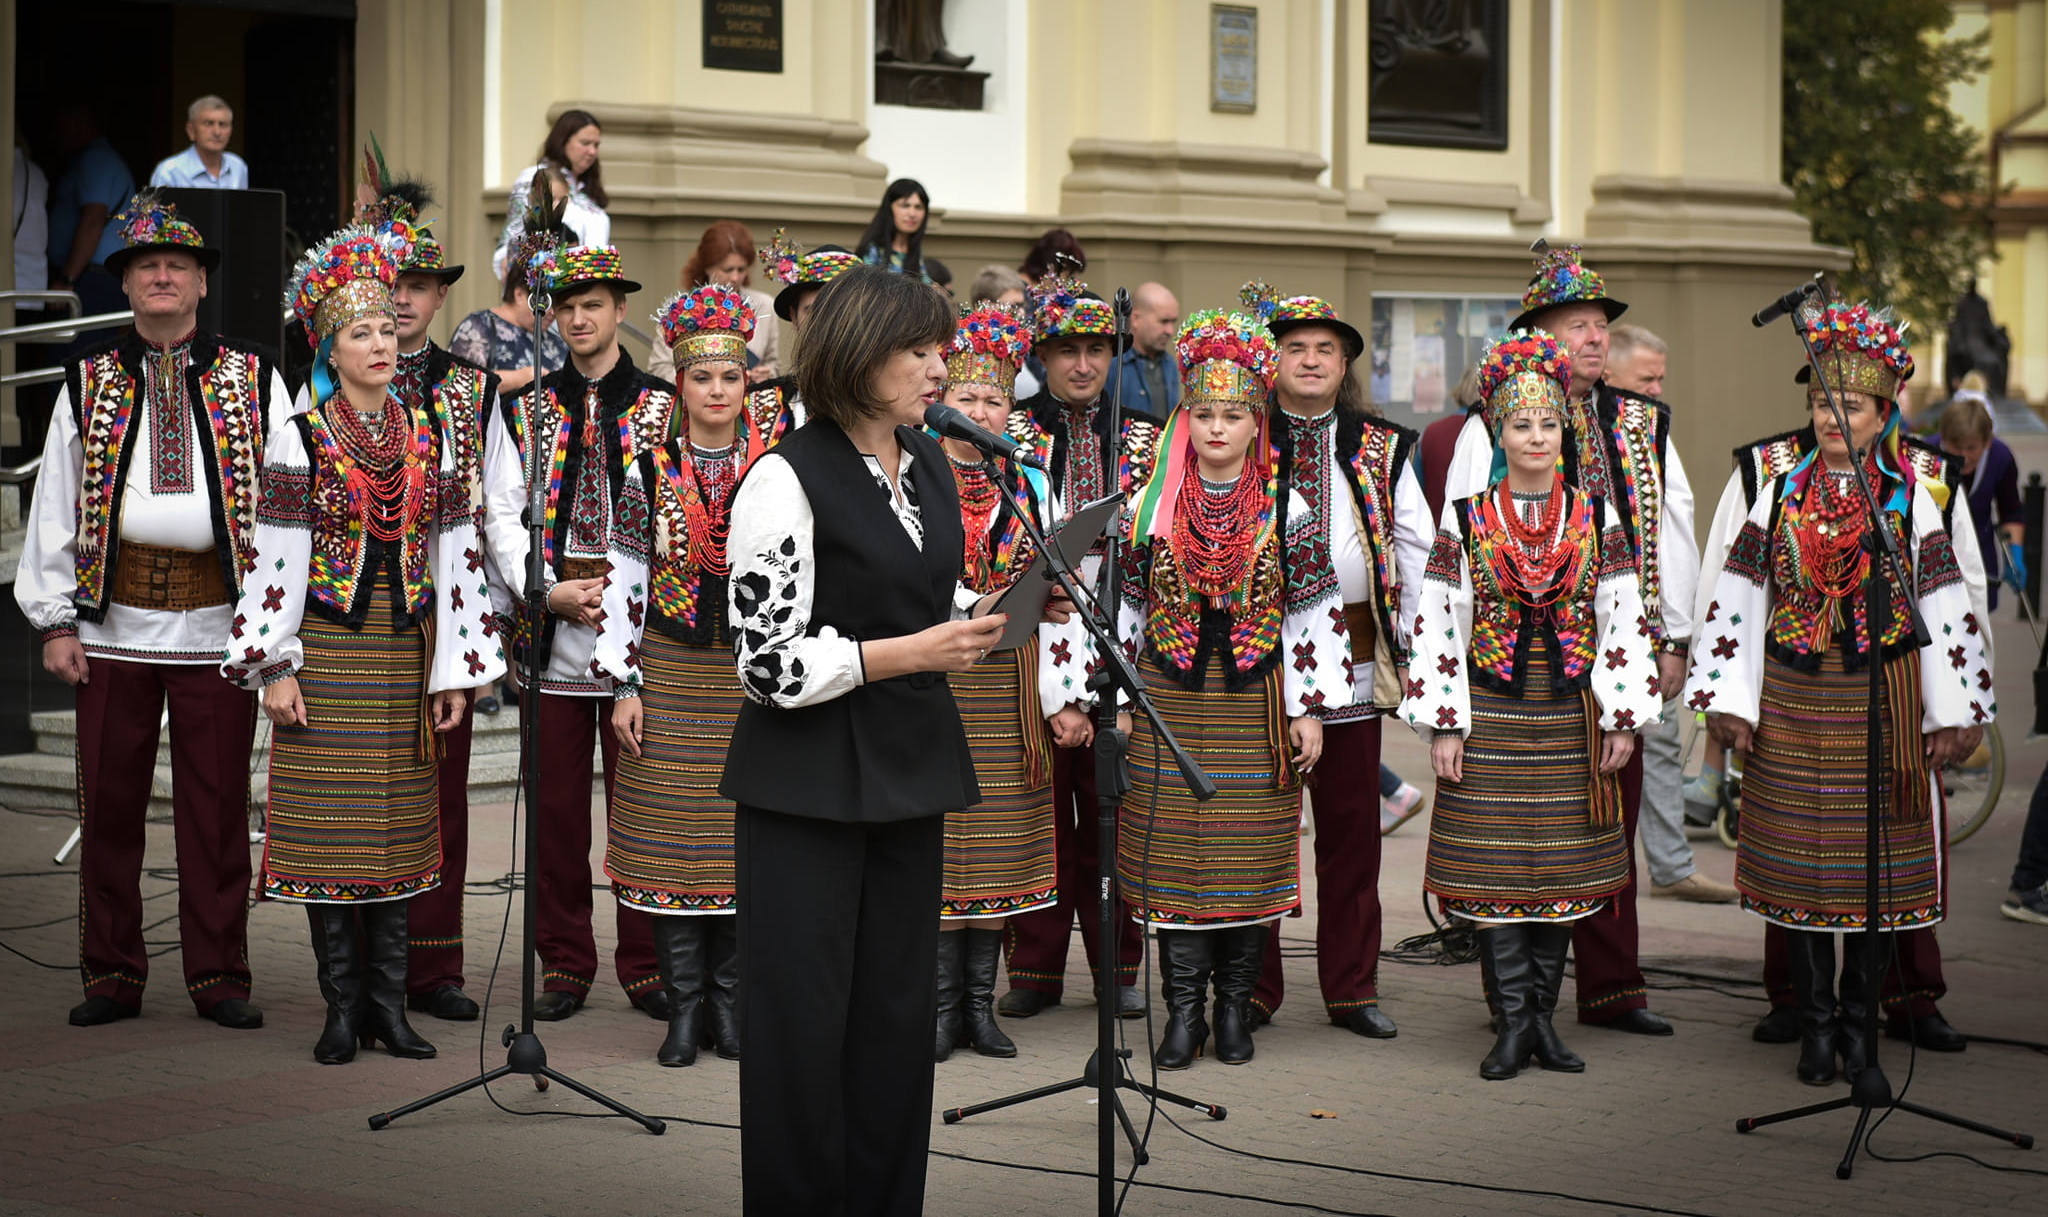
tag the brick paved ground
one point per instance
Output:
(170, 1115)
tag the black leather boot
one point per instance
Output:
(1186, 958)
(339, 965)
(978, 993)
(1549, 942)
(1487, 987)
(1514, 979)
(1239, 953)
(679, 959)
(722, 997)
(388, 942)
(1810, 958)
(948, 981)
(1857, 990)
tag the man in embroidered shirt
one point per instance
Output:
(588, 419)
(207, 164)
(137, 539)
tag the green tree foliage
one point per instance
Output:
(1875, 157)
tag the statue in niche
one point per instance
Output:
(913, 32)
(1976, 344)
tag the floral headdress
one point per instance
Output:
(1562, 278)
(339, 282)
(989, 346)
(556, 270)
(706, 324)
(1062, 307)
(1282, 314)
(148, 222)
(797, 270)
(1224, 357)
(1860, 349)
(1523, 370)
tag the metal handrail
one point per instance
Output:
(68, 327)
(41, 376)
(55, 297)
(22, 474)
(629, 328)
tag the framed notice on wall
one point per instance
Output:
(743, 35)
(1233, 58)
(1422, 345)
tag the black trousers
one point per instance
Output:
(838, 924)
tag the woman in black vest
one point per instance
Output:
(847, 610)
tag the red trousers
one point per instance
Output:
(1037, 941)
(1344, 798)
(568, 727)
(1604, 945)
(436, 916)
(213, 731)
(1912, 974)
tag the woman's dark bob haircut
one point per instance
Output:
(859, 320)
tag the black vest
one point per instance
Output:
(890, 749)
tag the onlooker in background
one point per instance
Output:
(2028, 898)
(571, 147)
(1145, 371)
(1990, 474)
(501, 338)
(941, 277)
(1057, 250)
(725, 256)
(1636, 362)
(1440, 442)
(207, 164)
(894, 239)
(94, 186)
(31, 224)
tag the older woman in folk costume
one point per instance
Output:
(999, 857)
(1784, 675)
(1236, 624)
(364, 625)
(1531, 670)
(664, 643)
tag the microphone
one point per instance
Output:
(1786, 303)
(947, 421)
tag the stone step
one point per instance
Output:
(57, 734)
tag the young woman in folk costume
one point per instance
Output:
(1531, 670)
(364, 625)
(999, 857)
(1782, 672)
(1234, 619)
(665, 645)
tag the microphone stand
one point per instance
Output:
(524, 1052)
(1870, 1089)
(1112, 780)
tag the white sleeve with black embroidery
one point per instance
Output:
(773, 588)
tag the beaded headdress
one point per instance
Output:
(797, 270)
(1062, 307)
(1523, 370)
(345, 278)
(706, 324)
(1562, 278)
(1859, 349)
(989, 345)
(1284, 313)
(554, 271)
(1225, 358)
(148, 222)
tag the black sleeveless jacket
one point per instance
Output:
(890, 749)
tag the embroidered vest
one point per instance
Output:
(345, 559)
(1504, 628)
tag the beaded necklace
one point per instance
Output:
(707, 500)
(1214, 527)
(386, 472)
(1540, 563)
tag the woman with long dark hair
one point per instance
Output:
(569, 152)
(894, 239)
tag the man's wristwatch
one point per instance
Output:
(1675, 646)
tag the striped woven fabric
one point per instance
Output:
(1235, 859)
(354, 805)
(1515, 841)
(999, 853)
(669, 848)
(1800, 857)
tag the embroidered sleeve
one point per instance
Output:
(263, 639)
(1678, 555)
(1729, 516)
(47, 575)
(1315, 655)
(1955, 672)
(1412, 541)
(1728, 640)
(622, 626)
(1962, 527)
(782, 661)
(1438, 696)
(1624, 672)
(504, 535)
(468, 650)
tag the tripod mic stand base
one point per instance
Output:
(1091, 1077)
(524, 1054)
(1871, 1091)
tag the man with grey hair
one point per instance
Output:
(207, 164)
(1636, 360)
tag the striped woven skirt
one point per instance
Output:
(1233, 860)
(999, 854)
(354, 804)
(1515, 840)
(669, 848)
(1799, 861)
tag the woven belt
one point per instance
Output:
(584, 568)
(150, 577)
(1364, 627)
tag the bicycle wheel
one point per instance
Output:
(1973, 787)
(1728, 817)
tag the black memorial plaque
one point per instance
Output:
(743, 35)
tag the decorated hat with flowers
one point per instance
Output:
(345, 278)
(1063, 307)
(1284, 313)
(1562, 278)
(800, 271)
(557, 270)
(1523, 370)
(148, 222)
(385, 200)
(706, 324)
(1859, 349)
(1226, 357)
(989, 346)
